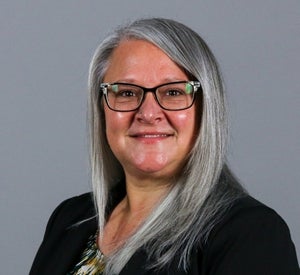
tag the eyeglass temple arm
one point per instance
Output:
(103, 87)
(196, 85)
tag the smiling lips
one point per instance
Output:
(151, 136)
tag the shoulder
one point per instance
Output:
(251, 237)
(249, 218)
(67, 231)
(72, 211)
(77, 202)
(248, 210)
(81, 205)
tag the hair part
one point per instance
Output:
(206, 187)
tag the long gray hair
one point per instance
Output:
(205, 189)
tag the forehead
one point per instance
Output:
(139, 60)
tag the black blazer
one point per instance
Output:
(251, 239)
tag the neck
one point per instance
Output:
(143, 200)
(127, 216)
(144, 194)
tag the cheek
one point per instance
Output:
(112, 121)
(185, 121)
(116, 122)
(187, 128)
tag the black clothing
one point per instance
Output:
(251, 239)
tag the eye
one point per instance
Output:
(126, 93)
(123, 93)
(174, 92)
(122, 90)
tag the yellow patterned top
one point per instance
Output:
(92, 260)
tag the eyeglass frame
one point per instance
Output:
(195, 84)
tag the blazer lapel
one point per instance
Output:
(72, 245)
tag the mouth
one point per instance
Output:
(151, 136)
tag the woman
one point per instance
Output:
(164, 200)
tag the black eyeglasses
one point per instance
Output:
(173, 96)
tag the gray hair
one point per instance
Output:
(205, 189)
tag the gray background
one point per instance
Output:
(44, 53)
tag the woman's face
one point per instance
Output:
(149, 142)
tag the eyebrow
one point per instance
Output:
(134, 81)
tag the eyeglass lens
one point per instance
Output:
(174, 96)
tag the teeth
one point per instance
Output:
(154, 136)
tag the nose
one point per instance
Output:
(149, 111)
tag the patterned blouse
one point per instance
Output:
(92, 260)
